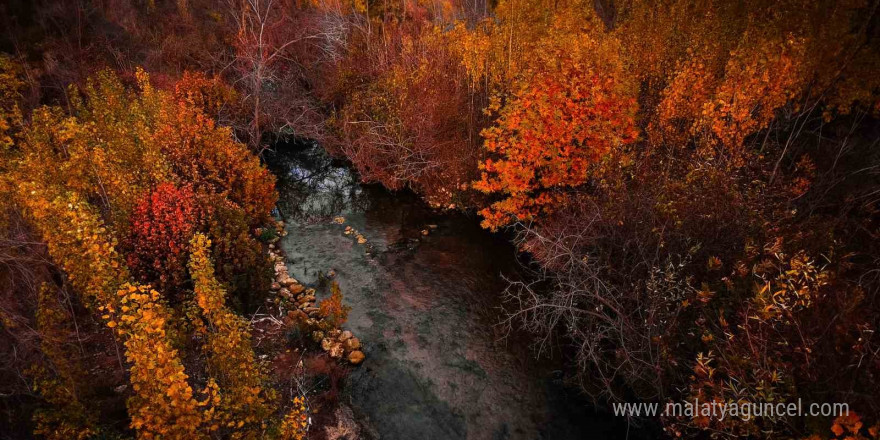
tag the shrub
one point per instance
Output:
(162, 224)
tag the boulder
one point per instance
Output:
(326, 344)
(289, 281)
(298, 316)
(285, 280)
(356, 357)
(336, 351)
(352, 344)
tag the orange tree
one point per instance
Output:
(567, 112)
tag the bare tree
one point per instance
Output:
(274, 45)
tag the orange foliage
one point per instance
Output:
(211, 95)
(569, 112)
(162, 405)
(335, 313)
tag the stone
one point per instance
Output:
(307, 298)
(336, 350)
(285, 280)
(296, 288)
(326, 344)
(284, 293)
(276, 286)
(352, 344)
(334, 333)
(344, 336)
(356, 357)
(289, 281)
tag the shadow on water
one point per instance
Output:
(426, 308)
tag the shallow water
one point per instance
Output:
(426, 309)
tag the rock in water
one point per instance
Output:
(345, 336)
(352, 344)
(356, 357)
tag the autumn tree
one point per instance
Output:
(241, 401)
(568, 112)
(161, 227)
(118, 170)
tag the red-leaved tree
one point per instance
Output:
(162, 224)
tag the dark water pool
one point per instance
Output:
(426, 309)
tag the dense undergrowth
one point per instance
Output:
(697, 180)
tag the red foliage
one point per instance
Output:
(162, 224)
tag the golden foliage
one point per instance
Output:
(163, 405)
(244, 403)
(295, 425)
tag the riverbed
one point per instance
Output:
(425, 290)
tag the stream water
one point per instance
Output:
(426, 307)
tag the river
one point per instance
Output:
(426, 308)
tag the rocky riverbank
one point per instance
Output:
(298, 304)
